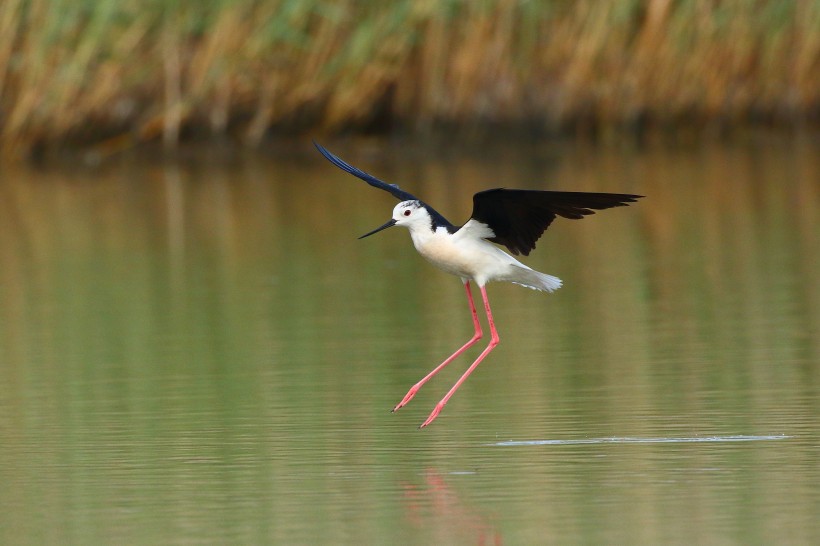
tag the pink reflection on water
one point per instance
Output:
(437, 508)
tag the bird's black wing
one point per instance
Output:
(519, 217)
(399, 194)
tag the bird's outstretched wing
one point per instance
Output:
(519, 217)
(399, 194)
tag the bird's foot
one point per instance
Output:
(433, 415)
(407, 397)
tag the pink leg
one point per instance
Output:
(476, 336)
(494, 340)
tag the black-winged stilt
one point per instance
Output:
(512, 218)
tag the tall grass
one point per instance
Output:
(122, 71)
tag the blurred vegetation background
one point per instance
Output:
(117, 72)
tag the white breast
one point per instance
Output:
(465, 253)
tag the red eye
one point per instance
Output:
(407, 212)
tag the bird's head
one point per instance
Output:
(411, 214)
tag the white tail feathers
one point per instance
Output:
(535, 280)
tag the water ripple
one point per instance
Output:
(628, 440)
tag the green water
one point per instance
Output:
(201, 352)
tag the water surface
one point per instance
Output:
(200, 351)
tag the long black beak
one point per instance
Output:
(391, 223)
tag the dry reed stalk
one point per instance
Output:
(10, 17)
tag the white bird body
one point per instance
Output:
(467, 253)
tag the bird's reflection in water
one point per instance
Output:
(438, 509)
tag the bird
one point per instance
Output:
(501, 217)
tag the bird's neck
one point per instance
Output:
(422, 235)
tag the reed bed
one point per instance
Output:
(119, 72)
